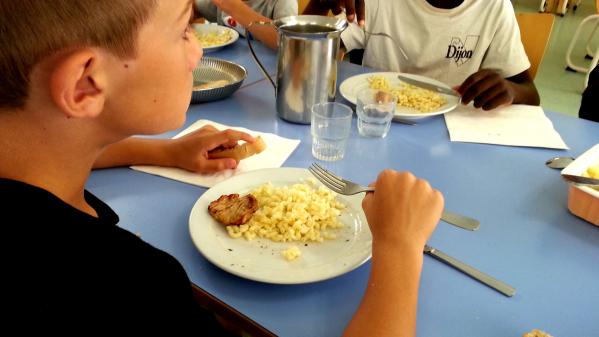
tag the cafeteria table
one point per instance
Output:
(527, 237)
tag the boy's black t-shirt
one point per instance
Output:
(66, 267)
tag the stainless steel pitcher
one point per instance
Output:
(307, 63)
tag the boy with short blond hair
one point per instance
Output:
(79, 76)
(52, 26)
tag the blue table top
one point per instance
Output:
(527, 237)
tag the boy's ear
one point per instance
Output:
(76, 84)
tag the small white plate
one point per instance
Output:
(350, 87)
(214, 28)
(581, 164)
(261, 259)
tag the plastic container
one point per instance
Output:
(583, 201)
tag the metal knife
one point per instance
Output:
(404, 121)
(429, 86)
(476, 274)
(460, 220)
(580, 179)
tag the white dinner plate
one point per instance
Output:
(261, 259)
(212, 27)
(350, 87)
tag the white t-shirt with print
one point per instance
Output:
(446, 44)
(272, 9)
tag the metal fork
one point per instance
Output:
(397, 45)
(346, 187)
(382, 34)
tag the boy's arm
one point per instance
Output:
(402, 213)
(317, 7)
(590, 98)
(133, 151)
(352, 7)
(245, 15)
(389, 304)
(189, 152)
(489, 90)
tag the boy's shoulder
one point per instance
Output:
(78, 249)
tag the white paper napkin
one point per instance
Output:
(514, 125)
(278, 149)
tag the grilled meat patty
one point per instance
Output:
(232, 210)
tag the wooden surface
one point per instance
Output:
(228, 317)
(535, 29)
(301, 4)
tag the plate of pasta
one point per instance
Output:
(412, 102)
(301, 233)
(213, 37)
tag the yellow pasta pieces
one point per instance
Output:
(213, 38)
(408, 95)
(301, 212)
(593, 171)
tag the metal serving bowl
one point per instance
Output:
(213, 69)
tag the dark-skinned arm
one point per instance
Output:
(352, 8)
(489, 90)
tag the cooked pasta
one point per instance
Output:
(214, 38)
(536, 333)
(291, 253)
(592, 171)
(292, 213)
(408, 95)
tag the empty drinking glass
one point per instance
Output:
(331, 125)
(375, 110)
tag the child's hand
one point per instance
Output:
(488, 89)
(404, 210)
(190, 152)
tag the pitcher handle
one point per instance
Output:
(248, 38)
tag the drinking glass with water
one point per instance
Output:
(331, 126)
(375, 110)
